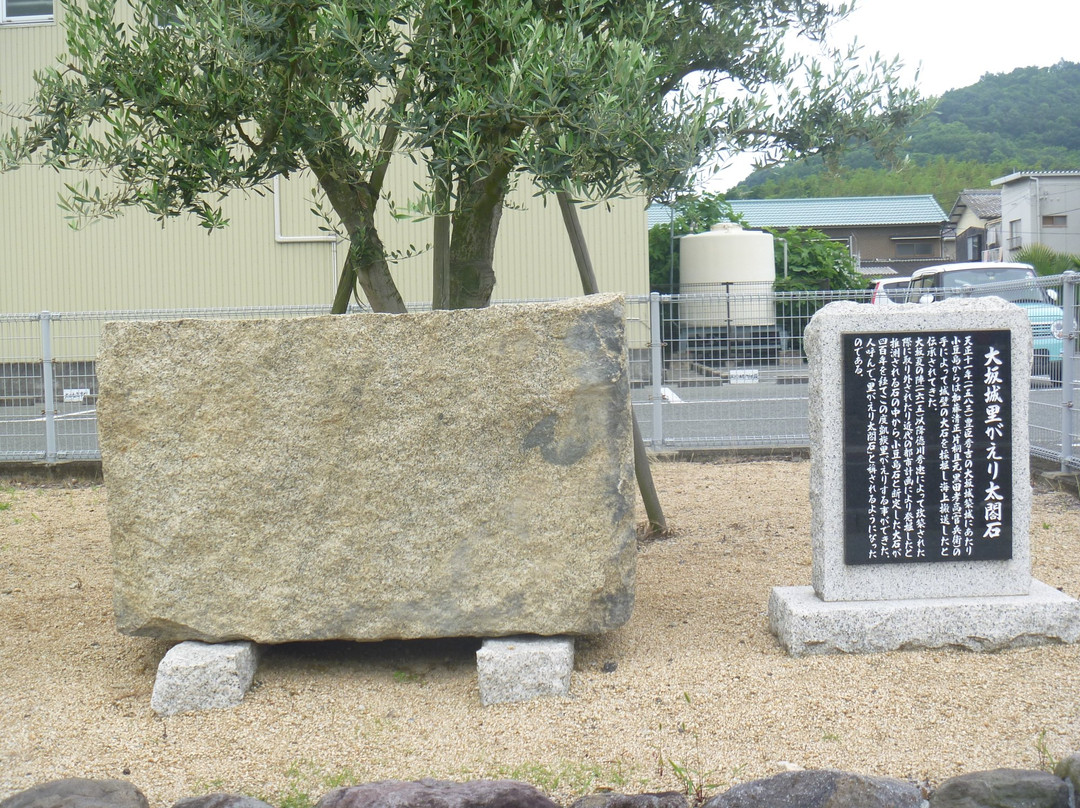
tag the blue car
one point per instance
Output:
(954, 280)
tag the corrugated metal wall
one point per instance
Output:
(24, 49)
(135, 263)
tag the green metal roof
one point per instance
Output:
(658, 213)
(840, 211)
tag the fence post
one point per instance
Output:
(656, 359)
(47, 383)
(1068, 350)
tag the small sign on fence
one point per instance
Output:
(76, 395)
(743, 376)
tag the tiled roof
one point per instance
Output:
(658, 214)
(986, 204)
(840, 211)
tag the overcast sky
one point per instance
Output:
(957, 43)
(954, 44)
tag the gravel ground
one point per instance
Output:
(694, 683)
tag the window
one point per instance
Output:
(910, 249)
(926, 282)
(1055, 221)
(26, 11)
(1015, 241)
(974, 247)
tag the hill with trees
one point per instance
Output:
(1028, 119)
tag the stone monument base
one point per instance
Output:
(806, 625)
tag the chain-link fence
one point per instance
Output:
(728, 368)
(722, 367)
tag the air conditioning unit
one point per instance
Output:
(993, 255)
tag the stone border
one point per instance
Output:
(806, 788)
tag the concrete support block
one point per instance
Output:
(203, 676)
(523, 668)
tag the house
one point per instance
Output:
(1039, 207)
(886, 234)
(973, 211)
(274, 252)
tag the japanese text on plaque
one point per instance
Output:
(927, 442)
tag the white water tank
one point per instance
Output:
(727, 254)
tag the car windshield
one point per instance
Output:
(969, 281)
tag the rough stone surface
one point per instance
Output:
(831, 578)
(369, 477)
(203, 676)
(804, 624)
(222, 801)
(664, 799)
(1068, 768)
(522, 668)
(78, 793)
(1002, 788)
(437, 794)
(822, 788)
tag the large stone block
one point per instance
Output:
(372, 476)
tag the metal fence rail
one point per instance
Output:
(717, 368)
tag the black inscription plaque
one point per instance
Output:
(927, 447)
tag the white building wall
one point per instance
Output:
(1029, 203)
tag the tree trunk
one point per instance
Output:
(472, 244)
(440, 248)
(373, 273)
(649, 497)
(365, 263)
(353, 199)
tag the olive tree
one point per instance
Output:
(601, 98)
(178, 105)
